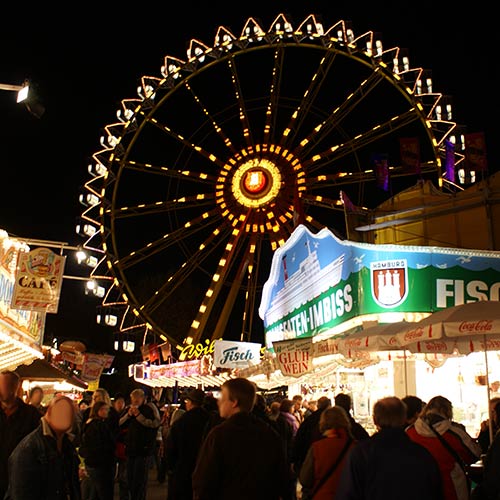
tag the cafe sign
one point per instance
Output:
(318, 282)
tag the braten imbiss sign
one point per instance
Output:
(317, 282)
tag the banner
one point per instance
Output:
(409, 149)
(449, 161)
(328, 282)
(294, 356)
(381, 166)
(230, 354)
(150, 352)
(38, 282)
(94, 364)
(166, 352)
(475, 152)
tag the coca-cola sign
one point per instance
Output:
(482, 325)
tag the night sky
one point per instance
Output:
(86, 59)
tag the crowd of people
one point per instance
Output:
(239, 446)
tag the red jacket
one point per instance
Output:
(454, 483)
(320, 458)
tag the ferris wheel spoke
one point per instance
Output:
(167, 240)
(350, 103)
(323, 202)
(245, 123)
(195, 201)
(272, 106)
(205, 249)
(252, 286)
(194, 176)
(211, 119)
(183, 140)
(340, 150)
(302, 111)
(228, 258)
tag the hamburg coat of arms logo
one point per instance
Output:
(389, 282)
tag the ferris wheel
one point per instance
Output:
(210, 168)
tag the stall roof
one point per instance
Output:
(43, 370)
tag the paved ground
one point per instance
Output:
(155, 490)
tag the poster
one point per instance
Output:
(38, 281)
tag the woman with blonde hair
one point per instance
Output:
(449, 443)
(320, 472)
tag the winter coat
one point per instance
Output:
(292, 420)
(181, 450)
(98, 444)
(241, 458)
(389, 466)
(13, 429)
(38, 471)
(320, 458)
(140, 438)
(307, 433)
(454, 481)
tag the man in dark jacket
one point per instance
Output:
(183, 444)
(357, 430)
(388, 465)
(242, 457)
(17, 420)
(44, 465)
(141, 420)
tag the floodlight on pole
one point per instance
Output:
(26, 96)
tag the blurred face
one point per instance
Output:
(83, 406)
(97, 396)
(8, 387)
(103, 411)
(136, 400)
(119, 405)
(189, 404)
(226, 406)
(60, 416)
(36, 398)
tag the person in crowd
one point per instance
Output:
(297, 408)
(211, 406)
(320, 472)
(97, 448)
(483, 437)
(307, 433)
(309, 407)
(183, 444)
(241, 458)
(35, 398)
(358, 431)
(119, 404)
(101, 394)
(414, 407)
(286, 409)
(488, 487)
(17, 419)
(284, 429)
(44, 465)
(141, 420)
(389, 465)
(449, 443)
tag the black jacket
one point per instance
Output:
(38, 471)
(140, 438)
(307, 433)
(241, 458)
(97, 447)
(12, 430)
(181, 450)
(390, 466)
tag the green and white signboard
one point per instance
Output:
(318, 282)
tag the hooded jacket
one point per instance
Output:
(454, 480)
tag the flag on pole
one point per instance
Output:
(449, 160)
(475, 152)
(380, 163)
(299, 216)
(409, 149)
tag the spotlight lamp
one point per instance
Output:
(26, 95)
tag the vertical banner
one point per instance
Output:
(380, 162)
(409, 149)
(449, 160)
(475, 152)
(294, 356)
(38, 282)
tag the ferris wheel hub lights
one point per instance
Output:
(255, 181)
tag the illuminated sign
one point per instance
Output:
(318, 282)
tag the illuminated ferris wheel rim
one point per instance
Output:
(177, 74)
